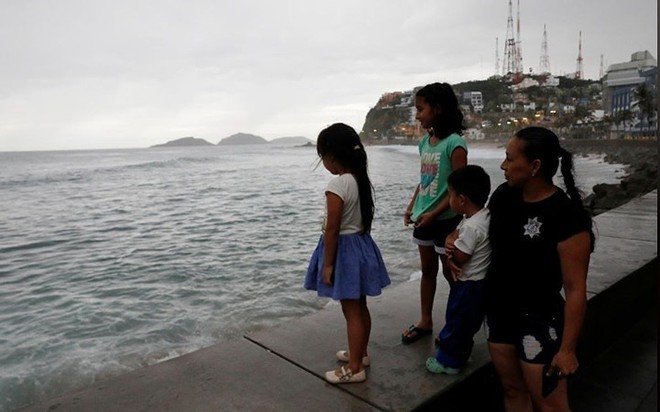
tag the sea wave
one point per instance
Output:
(112, 263)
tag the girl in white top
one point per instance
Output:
(346, 264)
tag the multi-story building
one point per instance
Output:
(622, 79)
(475, 99)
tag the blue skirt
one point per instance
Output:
(359, 269)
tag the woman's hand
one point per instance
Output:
(327, 275)
(564, 364)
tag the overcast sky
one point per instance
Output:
(86, 74)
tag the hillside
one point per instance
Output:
(185, 141)
(393, 115)
(242, 139)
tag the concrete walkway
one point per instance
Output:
(281, 369)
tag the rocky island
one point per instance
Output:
(242, 139)
(185, 141)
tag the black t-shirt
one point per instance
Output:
(525, 272)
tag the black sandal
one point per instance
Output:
(414, 334)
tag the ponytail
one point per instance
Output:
(358, 166)
(567, 173)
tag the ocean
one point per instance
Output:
(112, 260)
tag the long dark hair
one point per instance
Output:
(543, 144)
(449, 118)
(342, 143)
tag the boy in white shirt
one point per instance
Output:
(468, 251)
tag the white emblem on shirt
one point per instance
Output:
(533, 227)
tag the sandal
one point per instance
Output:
(346, 376)
(413, 334)
(433, 366)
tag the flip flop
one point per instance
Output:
(414, 334)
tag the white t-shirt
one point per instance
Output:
(345, 186)
(473, 240)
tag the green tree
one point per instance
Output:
(622, 118)
(645, 103)
(582, 113)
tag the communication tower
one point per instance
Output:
(519, 61)
(512, 64)
(497, 56)
(544, 64)
(578, 72)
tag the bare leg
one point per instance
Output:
(445, 269)
(556, 401)
(507, 365)
(428, 284)
(356, 331)
(366, 320)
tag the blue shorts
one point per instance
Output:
(536, 338)
(435, 233)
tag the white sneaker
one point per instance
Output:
(345, 376)
(343, 356)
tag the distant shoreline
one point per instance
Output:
(641, 160)
(639, 156)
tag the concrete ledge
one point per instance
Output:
(625, 376)
(397, 378)
(623, 274)
(282, 368)
(225, 377)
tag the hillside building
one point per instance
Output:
(621, 80)
(475, 99)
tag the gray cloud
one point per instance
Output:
(94, 74)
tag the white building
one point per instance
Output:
(475, 99)
(622, 79)
(551, 81)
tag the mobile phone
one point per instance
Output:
(548, 382)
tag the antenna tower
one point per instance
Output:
(510, 65)
(601, 72)
(578, 73)
(497, 56)
(544, 64)
(519, 61)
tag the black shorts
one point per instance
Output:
(536, 337)
(435, 233)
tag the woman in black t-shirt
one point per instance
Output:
(541, 240)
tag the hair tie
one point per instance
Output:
(357, 147)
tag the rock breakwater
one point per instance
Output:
(641, 160)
